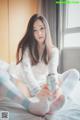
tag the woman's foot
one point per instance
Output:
(56, 105)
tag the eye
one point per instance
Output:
(42, 28)
(34, 30)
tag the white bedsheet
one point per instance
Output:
(70, 111)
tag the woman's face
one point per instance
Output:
(39, 31)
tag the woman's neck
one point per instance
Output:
(41, 49)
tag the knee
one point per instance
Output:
(3, 76)
(75, 73)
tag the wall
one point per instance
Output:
(14, 16)
(4, 48)
(71, 58)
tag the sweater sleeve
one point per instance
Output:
(30, 80)
(52, 67)
(54, 61)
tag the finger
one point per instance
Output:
(47, 92)
(45, 86)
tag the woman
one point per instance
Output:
(36, 58)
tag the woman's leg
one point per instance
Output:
(70, 79)
(9, 90)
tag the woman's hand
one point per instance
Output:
(44, 92)
(23, 88)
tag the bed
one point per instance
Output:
(70, 110)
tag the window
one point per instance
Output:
(72, 25)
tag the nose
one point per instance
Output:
(39, 33)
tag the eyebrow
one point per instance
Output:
(39, 26)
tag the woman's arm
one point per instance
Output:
(54, 61)
(22, 88)
(29, 78)
(52, 68)
(53, 65)
(44, 92)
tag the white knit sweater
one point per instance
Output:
(36, 75)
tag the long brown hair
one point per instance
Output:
(28, 41)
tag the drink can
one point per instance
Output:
(51, 80)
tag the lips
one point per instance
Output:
(40, 37)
